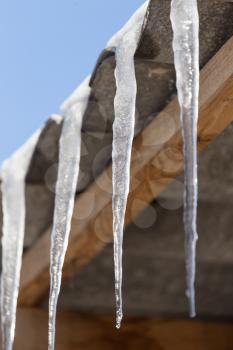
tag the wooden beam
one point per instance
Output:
(75, 331)
(156, 160)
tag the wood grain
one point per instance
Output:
(75, 331)
(157, 159)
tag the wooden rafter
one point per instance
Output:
(75, 331)
(156, 160)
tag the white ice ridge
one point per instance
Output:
(135, 23)
(68, 171)
(13, 174)
(56, 118)
(185, 23)
(79, 95)
(125, 43)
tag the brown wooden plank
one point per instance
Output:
(156, 160)
(75, 331)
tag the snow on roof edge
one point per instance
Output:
(135, 20)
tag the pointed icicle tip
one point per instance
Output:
(119, 319)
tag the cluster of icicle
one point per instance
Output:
(185, 23)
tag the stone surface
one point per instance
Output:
(215, 29)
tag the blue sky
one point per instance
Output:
(47, 48)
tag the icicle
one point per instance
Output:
(185, 23)
(69, 159)
(13, 173)
(126, 42)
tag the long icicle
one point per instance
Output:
(68, 171)
(13, 174)
(123, 133)
(185, 23)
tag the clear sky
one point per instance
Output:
(47, 48)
